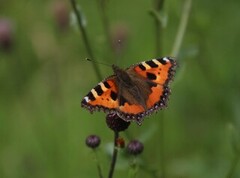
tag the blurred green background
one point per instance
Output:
(43, 78)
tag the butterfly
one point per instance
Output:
(135, 92)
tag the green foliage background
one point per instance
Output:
(43, 79)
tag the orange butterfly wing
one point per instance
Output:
(160, 72)
(105, 95)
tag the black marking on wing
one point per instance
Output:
(151, 76)
(142, 67)
(152, 64)
(106, 84)
(90, 96)
(99, 90)
(113, 95)
(162, 61)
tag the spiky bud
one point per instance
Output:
(135, 147)
(93, 141)
(115, 123)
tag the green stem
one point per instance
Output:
(98, 164)
(133, 168)
(158, 8)
(114, 157)
(158, 37)
(105, 21)
(162, 148)
(181, 28)
(233, 166)
(85, 37)
(158, 5)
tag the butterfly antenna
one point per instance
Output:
(97, 62)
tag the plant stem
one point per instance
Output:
(162, 149)
(233, 166)
(98, 165)
(85, 38)
(114, 157)
(105, 21)
(158, 26)
(181, 28)
(158, 7)
(133, 168)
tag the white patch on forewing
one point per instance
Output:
(145, 65)
(102, 86)
(86, 99)
(166, 59)
(94, 92)
(156, 62)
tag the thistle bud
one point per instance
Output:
(6, 34)
(135, 147)
(61, 15)
(93, 141)
(115, 123)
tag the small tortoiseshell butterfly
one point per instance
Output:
(135, 92)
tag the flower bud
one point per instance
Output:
(61, 15)
(93, 141)
(6, 34)
(115, 123)
(135, 147)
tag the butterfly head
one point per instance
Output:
(121, 75)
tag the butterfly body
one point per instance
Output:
(130, 86)
(135, 92)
